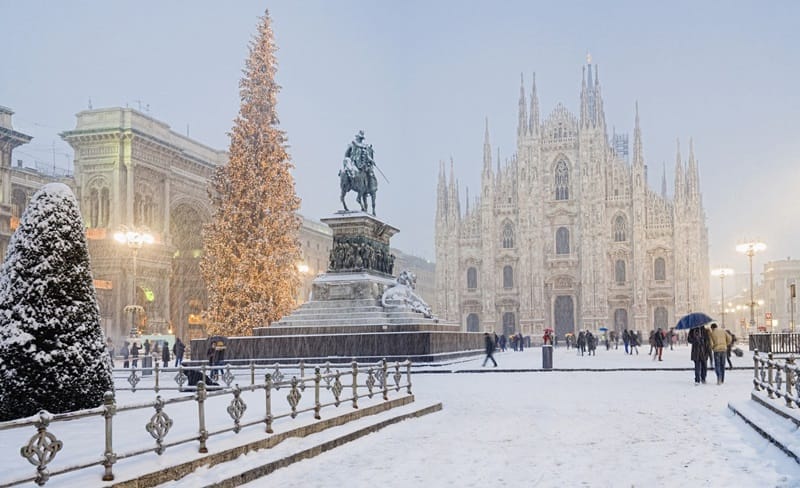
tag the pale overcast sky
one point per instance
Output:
(420, 77)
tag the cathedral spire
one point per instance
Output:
(693, 175)
(638, 154)
(664, 181)
(584, 99)
(533, 125)
(466, 211)
(487, 150)
(522, 127)
(680, 191)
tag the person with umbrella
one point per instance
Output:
(700, 341)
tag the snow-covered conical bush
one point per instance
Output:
(52, 354)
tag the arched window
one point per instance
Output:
(619, 229)
(508, 236)
(660, 318)
(472, 278)
(619, 272)
(509, 324)
(508, 277)
(562, 181)
(99, 206)
(660, 269)
(562, 241)
(473, 323)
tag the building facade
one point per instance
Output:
(567, 234)
(132, 171)
(779, 313)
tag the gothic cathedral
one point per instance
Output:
(568, 235)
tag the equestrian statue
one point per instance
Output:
(358, 173)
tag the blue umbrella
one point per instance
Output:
(693, 320)
(603, 329)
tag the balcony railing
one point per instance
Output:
(779, 343)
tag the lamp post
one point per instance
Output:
(134, 239)
(722, 273)
(749, 249)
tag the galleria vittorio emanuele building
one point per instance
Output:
(567, 234)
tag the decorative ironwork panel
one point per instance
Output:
(181, 378)
(41, 448)
(327, 376)
(277, 377)
(159, 425)
(228, 377)
(237, 408)
(134, 379)
(370, 381)
(380, 377)
(397, 377)
(337, 388)
(294, 397)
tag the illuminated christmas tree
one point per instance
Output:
(251, 244)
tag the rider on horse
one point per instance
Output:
(361, 155)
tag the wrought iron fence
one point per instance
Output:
(777, 377)
(778, 342)
(332, 386)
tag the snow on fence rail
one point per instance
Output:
(777, 377)
(332, 386)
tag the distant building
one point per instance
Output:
(776, 292)
(567, 234)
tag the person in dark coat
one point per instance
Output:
(658, 342)
(178, 349)
(147, 347)
(626, 340)
(581, 342)
(125, 355)
(698, 338)
(489, 344)
(135, 354)
(634, 338)
(165, 355)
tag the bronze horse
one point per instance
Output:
(361, 184)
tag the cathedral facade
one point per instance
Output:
(567, 235)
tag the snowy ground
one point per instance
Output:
(616, 426)
(600, 429)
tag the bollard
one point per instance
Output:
(547, 356)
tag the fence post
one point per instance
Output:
(317, 405)
(201, 412)
(790, 379)
(109, 457)
(385, 369)
(268, 383)
(155, 367)
(756, 376)
(252, 372)
(302, 368)
(770, 376)
(355, 384)
(408, 375)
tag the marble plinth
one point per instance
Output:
(345, 319)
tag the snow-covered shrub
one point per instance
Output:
(52, 351)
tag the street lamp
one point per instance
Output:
(749, 249)
(134, 239)
(722, 273)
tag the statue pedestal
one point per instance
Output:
(345, 319)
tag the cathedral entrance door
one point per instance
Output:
(564, 316)
(620, 320)
(509, 326)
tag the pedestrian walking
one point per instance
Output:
(720, 340)
(658, 343)
(626, 340)
(178, 349)
(634, 338)
(489, 344)
(698, 338)
(110, 348)
(147, 347)
(125, 355)
(135, 354)
(165, 355)
(730, 346)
